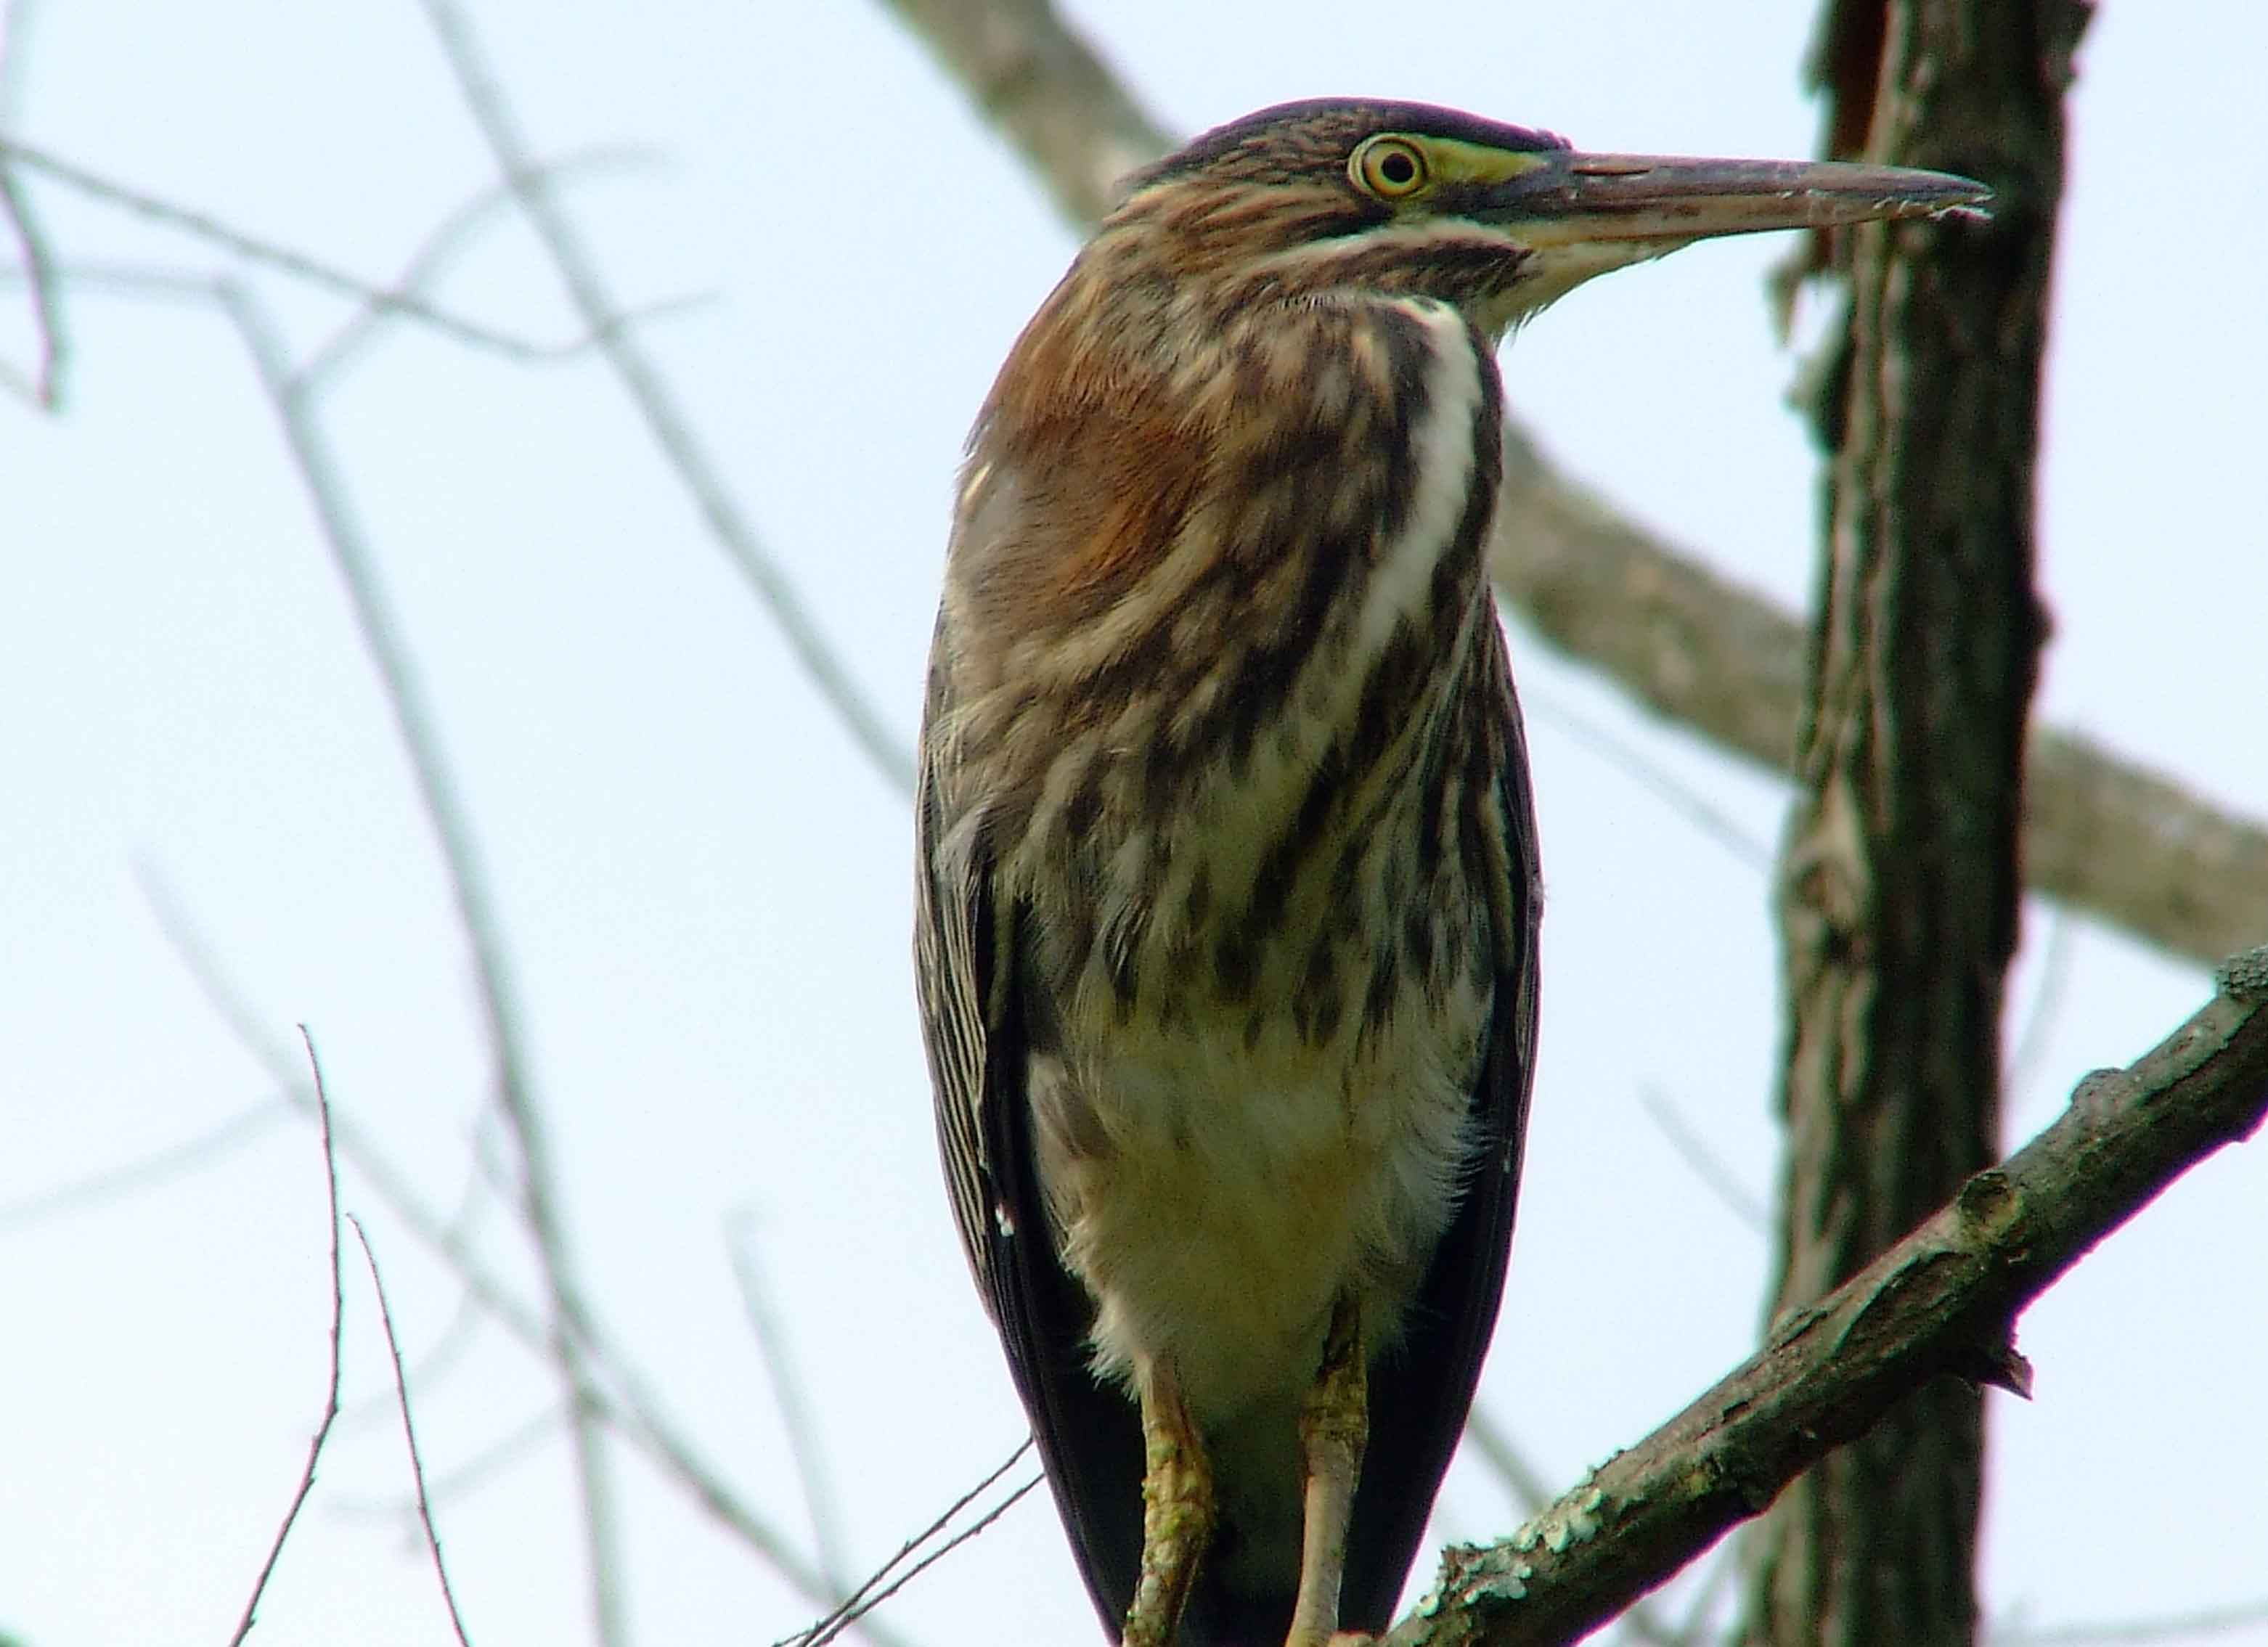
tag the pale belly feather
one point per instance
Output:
(1218, 1196)
(1241, 1188)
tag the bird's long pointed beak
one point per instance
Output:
(1568, 197)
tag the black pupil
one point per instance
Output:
(1398, 168)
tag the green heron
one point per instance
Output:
(1228, 895)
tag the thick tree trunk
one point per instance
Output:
(1899, 882)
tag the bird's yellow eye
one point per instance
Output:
(1392, 168)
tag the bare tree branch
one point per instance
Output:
(1716, 1174)
(1532, 1492)
(338, 1326)
(2100, 833)
(1045, 86)
(457, 1335)
(448, 238)
(410, 1434)
(854, 1616)
(42, 385)
(254, 249)
(2027, 1047)
(1544, 708)
(796, 1415)
(15, 24)
(1513, 1468)
(878, 1586)
(486, 1465)
(1942, 1300)
(2136, 848)
(137, 1176)
(658, 404)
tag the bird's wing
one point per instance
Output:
(1419, 1396)
(1089, 1434)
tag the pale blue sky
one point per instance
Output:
(707, 889)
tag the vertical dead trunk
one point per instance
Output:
(1899, 882)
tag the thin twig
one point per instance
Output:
(447, 1350)
(858, 1614)
(131, 280)
(453, 235)
(665, 417)
(409, 1433)
(484, 1466)
(98, 1189)
(1526, 1485)
(42, 385)
(338, 1322)
(499, 1455)
(795, 1415)
(1681, 797)
(146, 280)
(454, 1339)
(859, 1600)
(1707, 1166)
(2025, 1057)
(269, 253)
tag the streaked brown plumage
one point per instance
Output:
(1228, 902)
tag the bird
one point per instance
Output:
(1229, 892)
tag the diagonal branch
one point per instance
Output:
(139, 1176)
(2100, 833)
(789, 1396)
(338, 1326)
(1942, 1300)
(1068, 113)
(42, 385)
(269, 253)
(657, 403)
(453, 235)
(409, 1437)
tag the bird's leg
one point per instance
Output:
(1177, 1509)
(1334, 1426)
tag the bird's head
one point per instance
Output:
(1343, 195)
